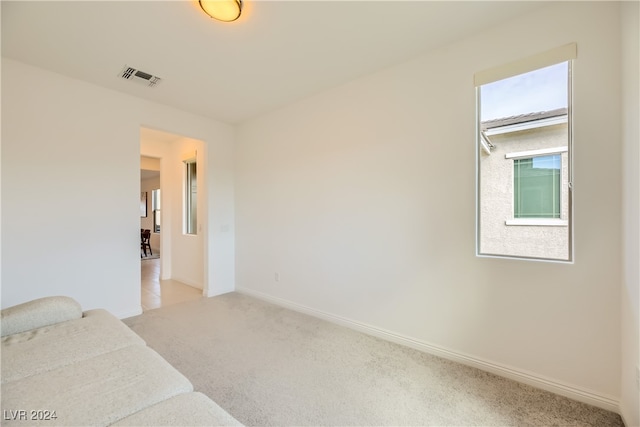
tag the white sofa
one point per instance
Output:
(62, 366)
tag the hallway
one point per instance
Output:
(158, 293)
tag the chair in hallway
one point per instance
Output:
(145, 236)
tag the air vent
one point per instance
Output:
(129, 73)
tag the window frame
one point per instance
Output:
(156, 209)
(518, 195)
(190, 223)
(568, 54)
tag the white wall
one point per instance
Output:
(630, 303)
(187, 250)
(71, 160)
(150, 163)
(362, 198)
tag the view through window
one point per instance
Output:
(191, 197)
(524, 195)
(155, 206)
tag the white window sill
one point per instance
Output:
(544, 222)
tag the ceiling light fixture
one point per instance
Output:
(222, 10)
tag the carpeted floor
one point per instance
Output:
(270, 366)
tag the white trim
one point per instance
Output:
(534, 62)
(547, 222)
(525, 258)
(188, 282)
(533, 124)
(215, 293)
(535, 153)
(484, 144)
(580, 394)
(622, 412)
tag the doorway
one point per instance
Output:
(176, 271)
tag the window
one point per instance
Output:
(191, 199)
(155, 207)
(536, 187)
(524, 158)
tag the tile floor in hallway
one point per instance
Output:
(158, 293)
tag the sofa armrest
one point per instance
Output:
(38, 313)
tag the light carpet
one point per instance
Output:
(270, 366)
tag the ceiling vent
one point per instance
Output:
(138, 76)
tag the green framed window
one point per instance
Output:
(536, 187)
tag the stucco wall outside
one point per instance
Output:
(496, 198)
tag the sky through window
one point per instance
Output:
(544, 89)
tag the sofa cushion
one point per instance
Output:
(190, 409)
(96, 391)
(38, 313)
(54, 346)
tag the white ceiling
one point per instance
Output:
(276, 53)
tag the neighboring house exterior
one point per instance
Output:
(524, 191)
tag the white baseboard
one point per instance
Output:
(188, 282)
(627, 416)
(609, 403)
(211, 293)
